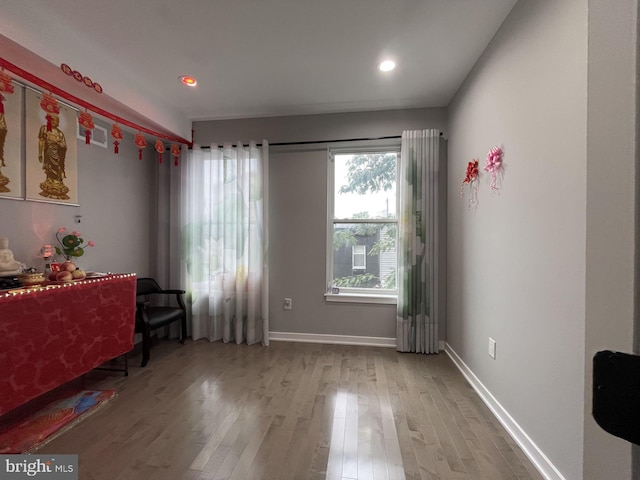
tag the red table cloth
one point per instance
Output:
(51, 336)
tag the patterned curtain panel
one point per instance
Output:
(418, 309)
(225, 242)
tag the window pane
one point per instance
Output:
(365, 185)
(378, 240)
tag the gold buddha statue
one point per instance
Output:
(52, 151)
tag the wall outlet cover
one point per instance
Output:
(492, 348)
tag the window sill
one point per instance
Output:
(361, 298)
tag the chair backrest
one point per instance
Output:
(147, 286)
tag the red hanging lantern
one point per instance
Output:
(160, 150)
(5, 86)
(175, 151)
(116, 133)
(86, 121)
(50, 105)
(140, 143)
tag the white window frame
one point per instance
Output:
(352, 294)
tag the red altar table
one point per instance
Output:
(52, 335)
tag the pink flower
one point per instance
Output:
(62, 230)
(77, 234)
(91, 243)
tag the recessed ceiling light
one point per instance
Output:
(387, 65)
(188, 80)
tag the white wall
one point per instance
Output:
(115, 202)
(298, 213)
(304, 128)
(546, 268)
(611, 180)
(516, 264)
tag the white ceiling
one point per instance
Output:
(261, 57)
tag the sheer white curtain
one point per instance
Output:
(224, 232)
(419, 242)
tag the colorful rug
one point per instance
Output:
(44, 425)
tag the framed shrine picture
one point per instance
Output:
(51, 153)
(11, 162)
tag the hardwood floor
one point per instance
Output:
(204, 411)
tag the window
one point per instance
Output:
(359, 257)
(362, 230)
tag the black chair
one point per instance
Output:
(616, 394)
(150, 317)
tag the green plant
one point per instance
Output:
(72, 244)
(364, 280)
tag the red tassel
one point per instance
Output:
(159, 158)
(175, 161)
(115, 147)
(1, 106)
(139, 154)
(48, 123)
(87, 136)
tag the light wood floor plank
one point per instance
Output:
(203, 411)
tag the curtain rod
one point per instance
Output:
(311, 142)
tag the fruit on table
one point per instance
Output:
(64, 276)
(78, 274)
(69, 266)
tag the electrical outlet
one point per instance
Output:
(492, 348)
(287, 304)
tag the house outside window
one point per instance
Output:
(362, 224)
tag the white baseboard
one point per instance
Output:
(337, 339)
(531, 450)
(332, 339)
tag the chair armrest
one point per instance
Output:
(178, 294)
(141, 314)
(141, 303)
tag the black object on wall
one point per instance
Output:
(616, 394)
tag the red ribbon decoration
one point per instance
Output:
(116, 133)
(50, 105)
(160, 150)
(175, 151)
(471, 178)
(140, 143)
(472, 171)
(86, 121)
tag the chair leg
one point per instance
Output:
(146, 345)
(184, 330)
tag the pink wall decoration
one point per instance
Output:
(493, 165)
